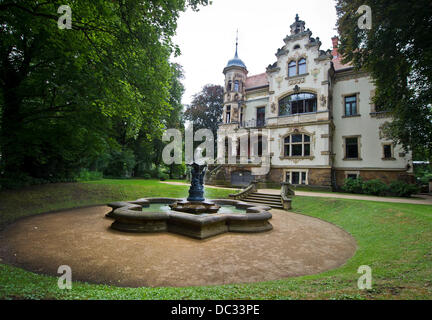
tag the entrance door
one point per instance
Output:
(241, 178)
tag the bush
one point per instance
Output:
(87, 175)
(425, 178)
(403, 189)
(353, 185)
(374, 187)
(121, 164)
(163, 176)
(146, 176)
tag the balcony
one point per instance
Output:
(253, 123)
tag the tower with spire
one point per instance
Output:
(235, 78)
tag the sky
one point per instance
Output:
(207, 38)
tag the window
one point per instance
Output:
(260, 117)
(229, 86)
(302, 66)
(236, 86)
(296, 177)
(260, 146)
(292, 69)
(297, 46)
(297, 145)
(387, 151)
(351, 106)
(298, 103)
(297, 68)
(351, 176)
(241, 116)
(351, 148)
(228, 114)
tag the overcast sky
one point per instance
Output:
(207, 38)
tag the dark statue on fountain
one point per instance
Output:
(196, 202)
(196, 191)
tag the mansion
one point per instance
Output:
(319, 117)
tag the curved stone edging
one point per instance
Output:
(129, 217)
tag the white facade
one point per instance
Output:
(309, 94)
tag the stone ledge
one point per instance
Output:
(130, 218)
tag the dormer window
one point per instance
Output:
(297, 46)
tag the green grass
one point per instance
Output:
(394, 239)
(37, 199)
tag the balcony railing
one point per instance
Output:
(253, 123)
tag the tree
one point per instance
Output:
(397, 52)
(206, 108)
(60, 89)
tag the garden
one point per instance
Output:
(392, 238)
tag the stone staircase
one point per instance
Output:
(270, 200)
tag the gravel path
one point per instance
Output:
(418, 199)
(81, 238)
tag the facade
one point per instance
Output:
(315, 114)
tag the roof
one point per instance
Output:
(256, 81)
(236, 62)
(338, 65)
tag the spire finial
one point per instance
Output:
(297, 17)
(236, 55)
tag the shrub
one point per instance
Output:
(425, 178)
(403, 189)
(121, 164)
(87, 175)
(353, 185)
(146, 176)
(375, 187)
(163, 176)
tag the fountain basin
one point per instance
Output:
(195, 207)
(129, 217)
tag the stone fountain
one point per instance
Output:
(193, 217)
(196, 203)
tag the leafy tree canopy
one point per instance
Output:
(397, 52)
(206, 108)
(60, 88)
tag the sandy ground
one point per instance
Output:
(81, 238)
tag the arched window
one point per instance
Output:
(297, 145)
(229, 86)
(302, 66)
(228, 114)
(298, 103)
(236, 86)
(292, 69)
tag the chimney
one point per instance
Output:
(335, 41)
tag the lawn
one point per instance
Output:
(394, 239)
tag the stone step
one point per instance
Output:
(265, 195)
(272, 205)
(263, 199)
